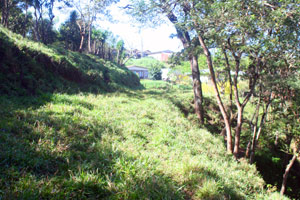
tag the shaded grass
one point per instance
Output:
(31, 68)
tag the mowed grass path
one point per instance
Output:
(130, 145)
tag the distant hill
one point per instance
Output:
(28, 68)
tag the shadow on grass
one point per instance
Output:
(277, 160)
(32, 71)
(47, 155)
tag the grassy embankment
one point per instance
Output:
(30, 68)
(133, 145)
(68, 144)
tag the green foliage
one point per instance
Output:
(70, 33)
(155, 72)
(185, 66)
(131, 145)
(147, 62)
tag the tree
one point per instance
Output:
(239, 29)
(6, 6)
(120, 49)
(152, 12)
(70, 32)
(88, 11)
(17, 20)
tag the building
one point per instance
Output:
(161, 55)
(142, 72)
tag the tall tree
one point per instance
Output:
(152, 11)
(6, 6)
(41, 26)
(240, 29)
(88, 11)
(70, 32)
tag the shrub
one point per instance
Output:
(155, 72)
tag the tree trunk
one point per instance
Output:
(3, 17)
(219, 100)
(94, 47)
(89, 39)
(26, 17)
(247, 154)
(197, 86)
(253, 127)
(36, 25)
(262, 121)
(81, 43)
(5, 13)
(238, 130)
(286, 173)
(230, 82)
(118, 54)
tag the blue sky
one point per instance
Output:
(153, 39)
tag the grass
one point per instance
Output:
(123, 145)
(72, 128)
(30, 68)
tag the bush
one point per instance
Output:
(155, 72)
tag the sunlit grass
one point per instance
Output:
(132, 145)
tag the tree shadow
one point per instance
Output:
(32, 71)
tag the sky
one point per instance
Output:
(153, 39)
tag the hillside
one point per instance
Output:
(72, 128)
(28, 67)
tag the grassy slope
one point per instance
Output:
(28, 67)
(64, 144)
(132, 145)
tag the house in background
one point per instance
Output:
(142, 72)
(161, 55)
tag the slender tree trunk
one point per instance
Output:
(230, 81)
(286, 174)
(251, 143)
(26, 17)
(102, 50)
(238, 130)
(36, 26)
(89, 39)
(4, 10)
(262, 122)
(197, 86)
(94, 47)
(118, 54)
(219, 100)
(4, 17)
(81, 42)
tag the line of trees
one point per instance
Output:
(35, 19)
(267, 33)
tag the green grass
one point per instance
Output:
(63, 136)
(146, 62)
(123, 145)
(29, 67)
